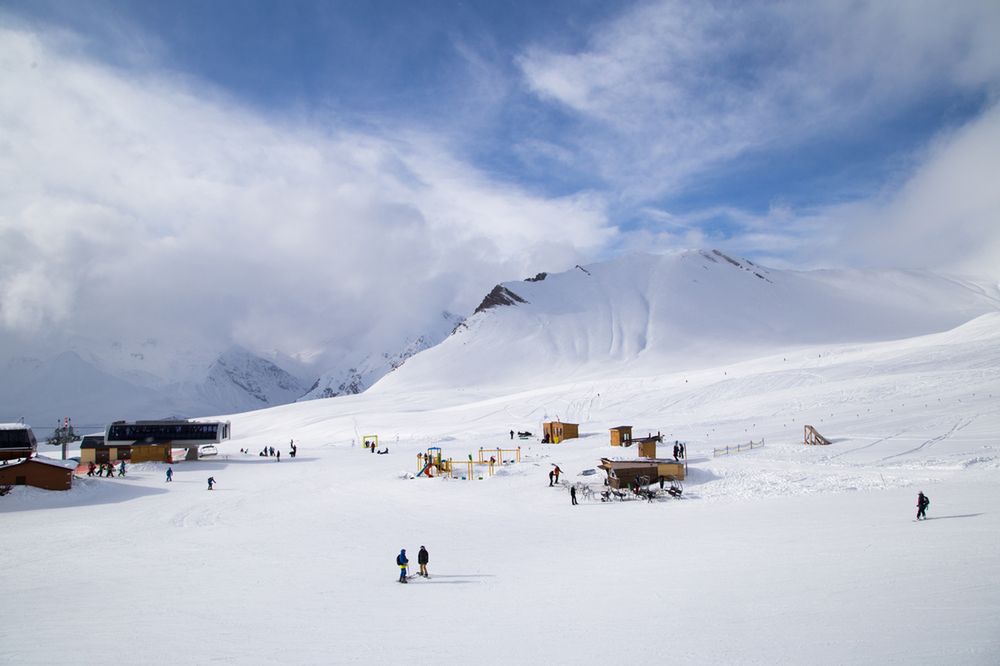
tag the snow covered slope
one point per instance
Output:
(785, 554)
(648, 314)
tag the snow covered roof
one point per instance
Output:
(65, 464)
(14, 426)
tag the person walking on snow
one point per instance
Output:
(423, 557)
(121, 469)
(557, 472)
(170, 474)
(211, 482)
(922, 503)
(512, 434)
(402, 563)
(551, 476)
(572, 494)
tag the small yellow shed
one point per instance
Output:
(621, 436)
(556, 431)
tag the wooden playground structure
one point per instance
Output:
(813, 437)
(433, 463)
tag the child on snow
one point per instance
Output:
(402, 563)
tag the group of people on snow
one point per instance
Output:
(423, 557)
(106, 469)
(680, 451)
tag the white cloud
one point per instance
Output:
(136, 203)
(672, 89)
(945, 215)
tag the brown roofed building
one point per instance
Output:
(556, 431)
(621, 436)
(38, 472)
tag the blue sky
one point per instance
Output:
(500, 138)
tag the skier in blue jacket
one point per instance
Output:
(402, 562)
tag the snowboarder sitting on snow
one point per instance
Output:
(402, 563)
(423, 557)
(922, 503)
(211, 482)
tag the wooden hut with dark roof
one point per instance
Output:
(39, 472)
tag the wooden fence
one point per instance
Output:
(736, 449)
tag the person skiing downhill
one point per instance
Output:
(211, 482)
(423, 557)
(402, 563)
(922, 503)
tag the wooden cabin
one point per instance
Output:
(556, 431)
(44, 473)
(647, 447)
(621, 436)
(623, 473)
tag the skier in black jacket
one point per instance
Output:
(423, 557)
(922, 504)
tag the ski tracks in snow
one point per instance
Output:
(959, 425)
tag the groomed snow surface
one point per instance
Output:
(784, 554)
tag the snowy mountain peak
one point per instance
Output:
(645, 314)
(238, 376)
(500, 296)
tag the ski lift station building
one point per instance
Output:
(152, 441)
(16, 441)
(38, 472)
(557, 431)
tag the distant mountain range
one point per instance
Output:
(94, 383)
(633, 316)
